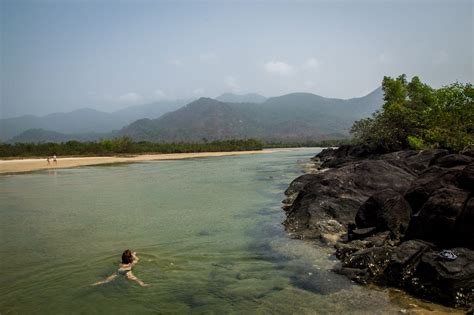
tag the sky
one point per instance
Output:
(57, 56)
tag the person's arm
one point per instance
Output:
(135, 259)
(132, 277)
(108, 279)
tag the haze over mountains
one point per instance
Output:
(245, 98)
(294, 117)
(86, 120)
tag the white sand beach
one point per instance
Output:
(27, 165)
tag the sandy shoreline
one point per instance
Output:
(28, 165)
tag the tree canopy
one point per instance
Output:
(415, 115)
(122, 145)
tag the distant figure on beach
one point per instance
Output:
(54, 159)
(129, 260)
(47, 160)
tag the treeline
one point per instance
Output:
(322, 143)
(123, 145)
(417, 116)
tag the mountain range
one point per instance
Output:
(294, 117)
(85, 120)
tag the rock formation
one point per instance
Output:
(403, 218)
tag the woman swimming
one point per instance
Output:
(129, 260)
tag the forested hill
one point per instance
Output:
(72, 125)
(291, 117)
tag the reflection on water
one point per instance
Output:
(208, 233)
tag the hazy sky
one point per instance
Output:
(64, 55)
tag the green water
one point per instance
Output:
(208, 232)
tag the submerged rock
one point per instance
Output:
(370, 261)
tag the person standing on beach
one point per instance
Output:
(47, 160)
(54, 159)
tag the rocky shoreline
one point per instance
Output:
(402, 219)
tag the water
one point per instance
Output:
(208, 232)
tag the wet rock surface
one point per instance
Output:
(390, 216)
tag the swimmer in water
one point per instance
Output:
(129, 260)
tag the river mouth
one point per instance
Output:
(208, 232)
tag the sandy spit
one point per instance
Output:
(28, 165)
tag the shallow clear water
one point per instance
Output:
(208, 232)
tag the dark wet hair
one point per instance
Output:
(127, 257)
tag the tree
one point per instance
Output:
(417, 116)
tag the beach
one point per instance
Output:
(28, 165)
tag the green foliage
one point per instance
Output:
(395, 90)
(321, 144)
(416, 143)
(417, 116)
(123, 145)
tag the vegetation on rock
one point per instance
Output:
(417, 116)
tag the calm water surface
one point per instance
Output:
(208, 232)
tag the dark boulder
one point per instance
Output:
(452, 160)
(381, 239)
(336, 162)
(469, 152)
(466, 179)
(385, 210)
(358, 234)
(324, 155)
(370, 261)
(296, 185)
(465, 225)
(392, 218)
(349, 150)
(436, 221)
(404, 261)
(343, 250)
(337, 194)
(447, 281)
(428, 182)
(344, 154)
(412, 160)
